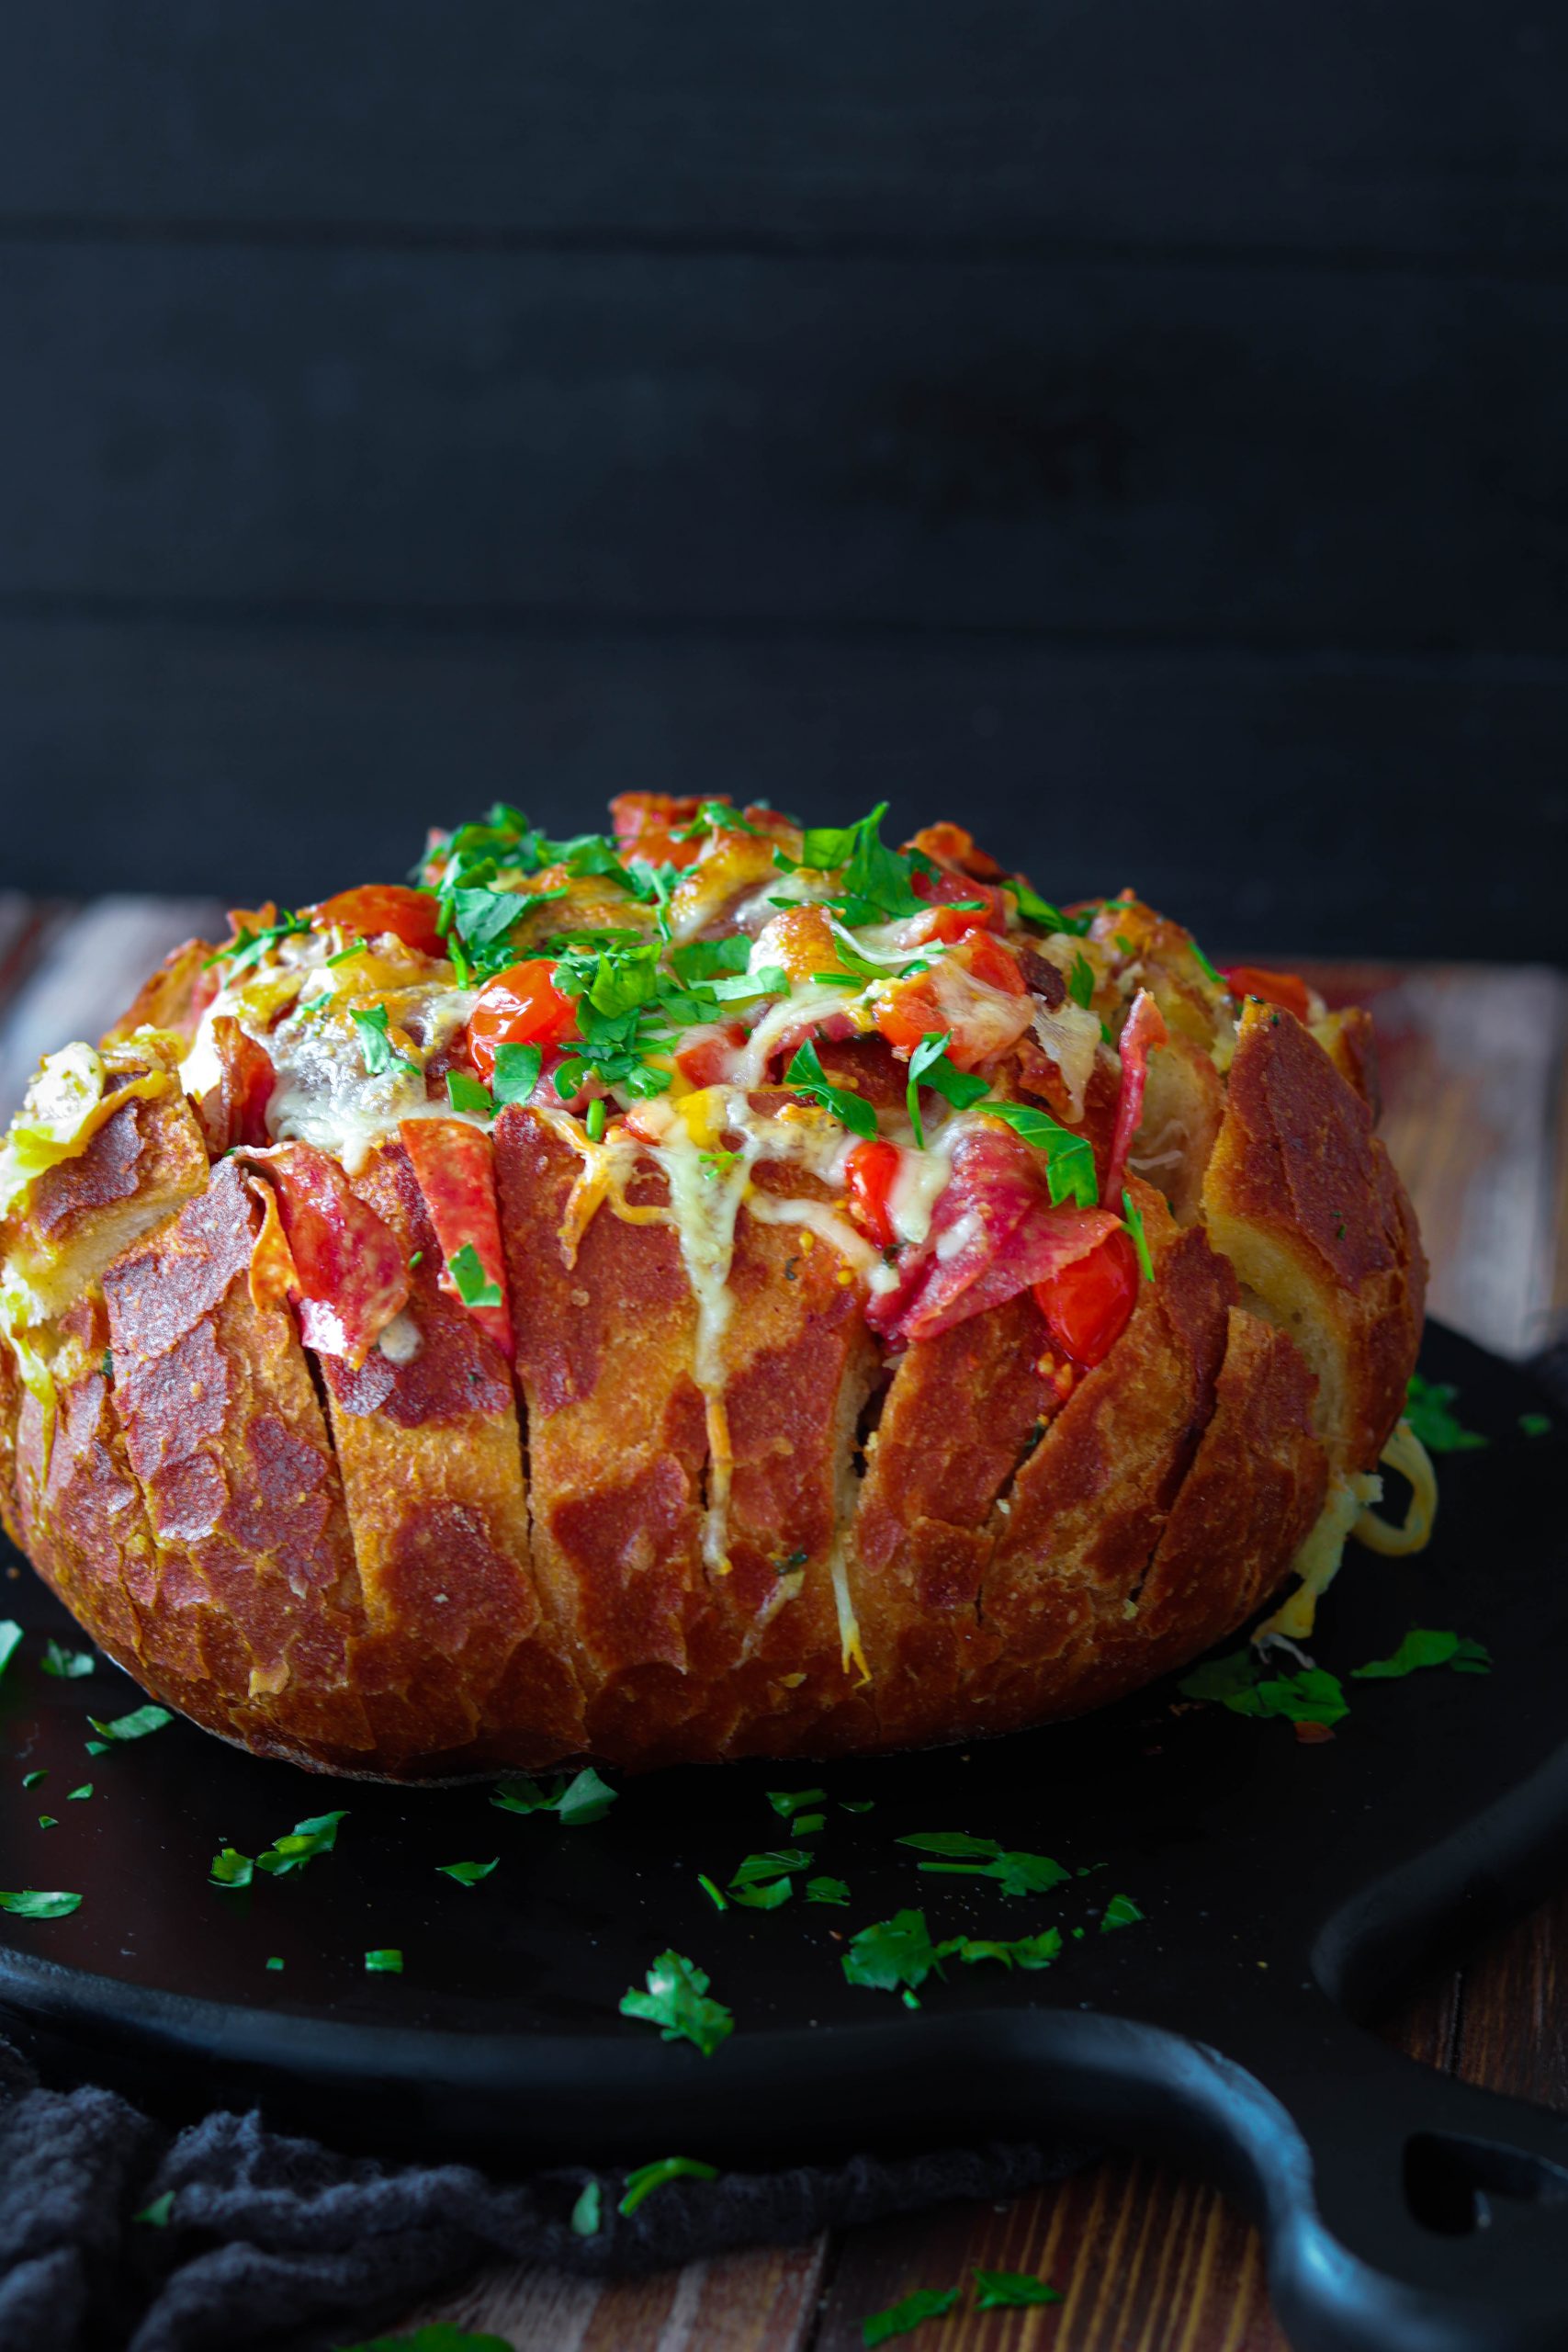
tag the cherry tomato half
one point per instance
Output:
(871, 1173)
(1287, 989)
(522, 1006)
(377, 907)
(1087, 1306)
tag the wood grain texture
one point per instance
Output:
(1074, 445)
(1407, 129)
(1324, 782)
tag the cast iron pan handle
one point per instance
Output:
(1405, 2212)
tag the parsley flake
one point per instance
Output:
(893, 1955)
(712, 1891)
(66, 1665)
(1536, 1424)
(676, 2002)
(1069, 1157)
(1430, 1411)
(48, 1821)
(473, 1285)
(74, 1796)
(517, 1071)
(1018, 1873)
(806, 1075)
(136, 1726)
(900, 2319)
(642, 2183)
(467, 1093)
(387, 1960)
(575, 1800)
(1120, 1912)
(437, 2336)
(929, 1066)
(1134, 1217)
(587, 2214)
(10, 1635)
(1001, 2291)
(826, 1890)
(1022, 1951)
(230, 1867)
(31, 1780)
(303, 1843)
(1424, 1646)
(1313, 1696)
(382, 1056)
(156, 2214)
(28, 1904)
(1080, 981)
(468, 1873)
(788, 1801)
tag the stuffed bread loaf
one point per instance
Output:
(714, 1290)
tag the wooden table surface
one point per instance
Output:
(1476, 1068)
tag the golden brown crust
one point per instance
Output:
(436, 1562)
(1302, 1198)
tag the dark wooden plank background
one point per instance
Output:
(1141, 429)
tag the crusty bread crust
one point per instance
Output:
(435, 1564)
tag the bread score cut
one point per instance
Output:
(720, 1288)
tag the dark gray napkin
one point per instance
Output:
(278, 2243)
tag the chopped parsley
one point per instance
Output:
(249, 946)
(230, 1867)
(303, 1843)
(382, 1056)
(1424, 1646)
(66, 1665)
(876, 882)
(587, 2214)
(1430, 1411)
(10, 1636)
(1536, 1424)
(788, 1801)
(763, 1898)
(28, 1904)
(642, 2183)
(473, 1285)
(31, 1780)
(963, 1856)
(1134, 1217)
(75, 1796)
(595, 1120)
(900, 2319)
(468, 1873)
(135, 1725)
(386, 1960)
(894, 1955)
(826, 1890)
(1001, 2291)
(275, 1963)
(1120, 1912)
(575, 1799)
(857, 1805)
(1069, 1157)
(467, 1093)
(1080, 981)
(806, 1075)
(806, 1824)
(929, 1066)
(517, 1071)
(156, 2214)
(438, 2335)
(48, 1821)
(1022, 1951)
(676, 2002)
(1313, 1696)
(712, 1891)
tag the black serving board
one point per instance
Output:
(1285, 1886)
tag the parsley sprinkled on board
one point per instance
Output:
(1018, 1873)
(641, 2184)
(31, 1780)
(1120, 1912)
(1204, 966)
(806, 1075)
(468, 1873)
(28, 1904)
(1080, 981)
(66, 1665)
(1424, 1646)
(1312, 1696)
(900, 2318)
(249, 946)
(230, 1867)
(1022, 1951)
(788, 1801)
(893, 1955)
(275, 1963)
(473, 1285)
(382, 1056)
(712, 1891)
(1430, 1411)
(10, 1636)
(1069, 1157)
(1000, 2290)
(135, 1725)
(438, 2335)
(156, 2214)
(1536, 1424)
(76, 1795)
(877, 884)
(929, 1066)
(676, 2001)
(826, 1890)
(303, 1843)
(386, 1960)
(587, 2214)
(1040, 911)
(48, 1821)
(575, 1799)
